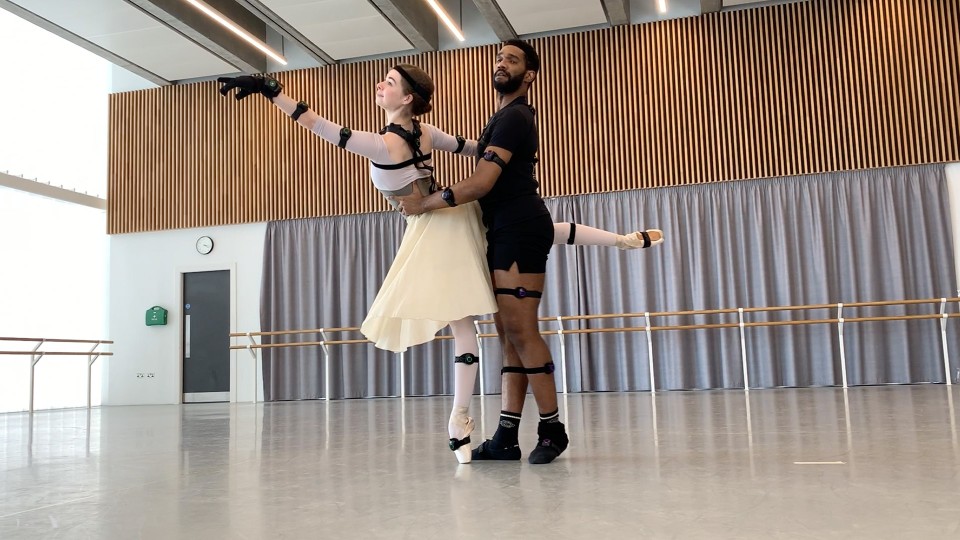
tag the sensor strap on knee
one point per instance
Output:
(519, 292)
(573, 233)
(461, 142)
(302, 107)
(547, 368)
(466, 358)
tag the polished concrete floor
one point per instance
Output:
(874, 462)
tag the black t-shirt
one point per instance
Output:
(514, 196)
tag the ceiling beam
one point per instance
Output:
(286, 30)
(189, 22)
(710, 6)
(496, 19)
(52, 192)
(414, 20)
(617, 11)
(90, 46)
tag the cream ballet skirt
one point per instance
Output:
(439, 275)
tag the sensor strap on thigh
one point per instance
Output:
(519, 292)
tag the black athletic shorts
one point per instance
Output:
(526, 243)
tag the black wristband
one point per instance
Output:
(447, 196)
(271, 88)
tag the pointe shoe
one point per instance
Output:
(640, 239)
(461, 427)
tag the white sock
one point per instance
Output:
(464, 375)
(583, 235)
(464, 378)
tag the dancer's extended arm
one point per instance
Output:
(449, 143)
(368, 144)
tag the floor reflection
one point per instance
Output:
(883, 463)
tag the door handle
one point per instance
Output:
(186, 337)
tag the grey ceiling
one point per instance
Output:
(167, 41)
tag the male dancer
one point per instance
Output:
(519, 236)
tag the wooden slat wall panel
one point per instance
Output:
(782, 90)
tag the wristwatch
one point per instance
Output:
(447, 196)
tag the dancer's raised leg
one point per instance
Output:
(582, 235)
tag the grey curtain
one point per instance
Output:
(324, 273)
(857, 236)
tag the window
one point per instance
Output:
(53, 274)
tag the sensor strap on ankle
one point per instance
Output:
(646, 238)
(457, 443)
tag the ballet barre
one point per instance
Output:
(36, 355)
(741, 323)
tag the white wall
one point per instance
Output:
(953, 186)
(145, 270)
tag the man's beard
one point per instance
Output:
(508, 86)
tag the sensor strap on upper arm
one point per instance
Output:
(490, 155)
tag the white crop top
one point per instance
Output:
(372, 146)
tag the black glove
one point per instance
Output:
(251, 84)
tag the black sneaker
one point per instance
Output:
(490, 450)
(552, 442)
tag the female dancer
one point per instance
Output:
(400, 160)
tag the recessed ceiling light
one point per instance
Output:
(243, 34)
(446, 19)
